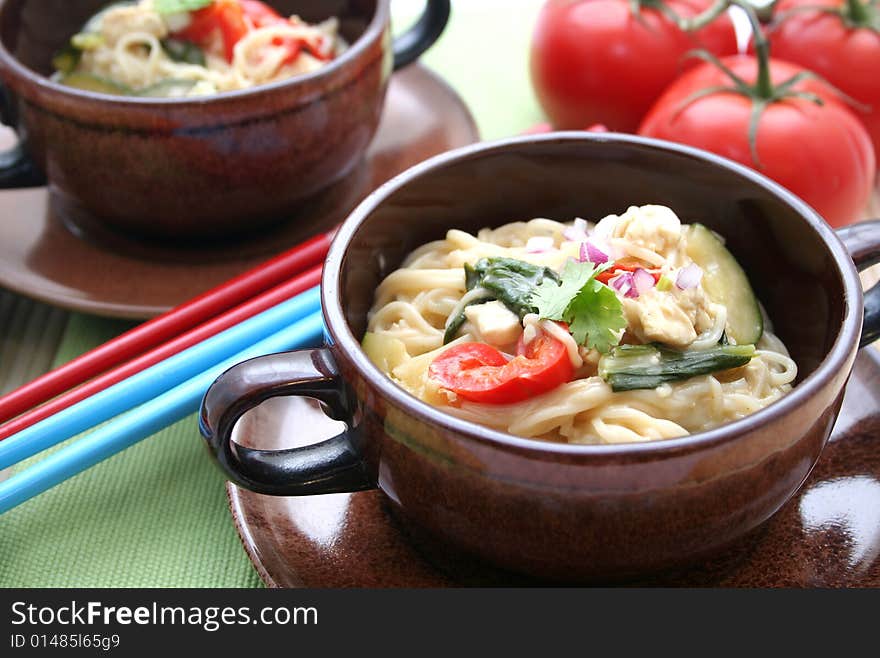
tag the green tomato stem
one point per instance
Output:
(859, 13)
(636, 6)
(700, 21)
(763, 84)
(766, 12)
(762, 92)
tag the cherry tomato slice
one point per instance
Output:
(202, 24)
(262, 15)
(294, 48)
(233, 26)
(316, 49)
(225, 16)
(480, 373)
(233, 19)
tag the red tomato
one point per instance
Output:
(539, 128)
(848, 56)
(225, 17)
(822, 153)
(480, 373)
(593, 61)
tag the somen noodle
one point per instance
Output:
(675, 341)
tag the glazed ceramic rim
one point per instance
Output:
(341, 336)
(374, 29)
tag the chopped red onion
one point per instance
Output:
(689, 277)
(643, 281)
(539, 244)
(576, 233)
(594, 254)
(623, 283)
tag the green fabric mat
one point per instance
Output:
(156, 514)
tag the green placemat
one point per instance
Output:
(156, 514)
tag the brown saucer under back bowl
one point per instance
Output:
(104, 272)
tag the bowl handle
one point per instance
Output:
(862, 239)
(331, 466)
(421, 36)
(17, 169)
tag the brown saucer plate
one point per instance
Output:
(827, 536)
(71, 264)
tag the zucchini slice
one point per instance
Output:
(65, 61)
(726, 283)
(184, 51)
(171, 88)
(385, 351)
(90, 82)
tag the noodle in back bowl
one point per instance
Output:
(207, 166)
(565, 512)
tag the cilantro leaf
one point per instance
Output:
(509, 280)
(178, 6)
(552, 298)
(595, 317)
(592, 310)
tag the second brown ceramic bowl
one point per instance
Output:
(566, 512)
(204, 167)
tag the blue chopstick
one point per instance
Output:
(145, 420)
(155, 380)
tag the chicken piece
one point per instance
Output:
(656, 228)
(118, 22)
(656, 316)
(494, 323)
(697, 306)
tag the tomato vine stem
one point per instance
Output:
(702, 20)
(636, 6)
(859, 13)
(855, 14)
(763, 92)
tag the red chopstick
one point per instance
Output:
(164, 327)
(300, 283)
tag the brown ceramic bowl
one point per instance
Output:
(559, 511)
(206, 167)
